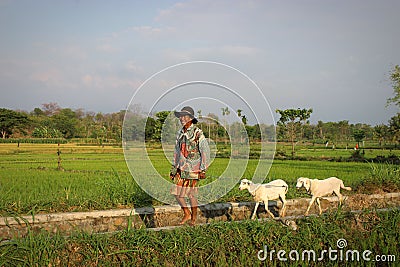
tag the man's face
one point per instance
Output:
(184, 119)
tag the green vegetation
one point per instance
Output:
(11, 120)
(219, 244)
(395, 79)
(96, 177)
(382, 177)
(292, 121)
(52, 121)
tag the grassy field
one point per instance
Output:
(96, 177)
(369, 237)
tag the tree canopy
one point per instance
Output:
(11, 120)
(292, 120)
(395, 79)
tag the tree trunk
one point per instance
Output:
(292, 148)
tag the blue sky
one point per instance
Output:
(332, 56)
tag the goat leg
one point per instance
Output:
(340, 197)
(255, 210)
(266, 208)
(309, 205)
(283, 210)
(319, 206)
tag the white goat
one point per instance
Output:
(264, 192)
(320, 188)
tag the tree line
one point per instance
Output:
(52, 121)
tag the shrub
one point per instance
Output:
(357, 156)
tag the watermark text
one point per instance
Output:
(338, 254)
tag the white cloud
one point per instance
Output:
(132, 66)
(214, 21)
(212, 52)
(53, 78)
(154, 32)
(306, 54)
(46, 76)
(107, 82)
(240, 50)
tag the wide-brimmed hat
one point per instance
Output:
(186, 111)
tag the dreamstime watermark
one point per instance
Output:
(339, 254)
(208, 87)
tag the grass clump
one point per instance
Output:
(382, 177)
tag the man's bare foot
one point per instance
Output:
(185, 219)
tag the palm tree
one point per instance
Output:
(244, 119)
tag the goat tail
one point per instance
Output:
(345, 187)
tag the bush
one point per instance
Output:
(357, 156)
(392, 159)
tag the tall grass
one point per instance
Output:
(381, 178)
(218, 244)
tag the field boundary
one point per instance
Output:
(164, 216)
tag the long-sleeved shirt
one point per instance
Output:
(192, 153)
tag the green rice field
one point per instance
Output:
(95, 177)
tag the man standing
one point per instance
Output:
(190, 163)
